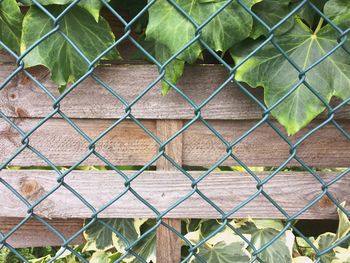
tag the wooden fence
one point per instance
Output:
(93, 110)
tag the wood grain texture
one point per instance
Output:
(23, 98)
(128, 144)
(168, 243)
(162, 188)
(327, 147)
(34, 234)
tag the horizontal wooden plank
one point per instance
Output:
(161, 189)
(327, 147)
(90, 100)
(34, 234)
(128, 144)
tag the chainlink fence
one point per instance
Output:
(266, 118)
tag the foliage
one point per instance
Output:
(288, 67)
(221, 243)
(89, 37)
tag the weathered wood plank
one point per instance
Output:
(327, 147)
(22, 97)
(161, 189)
(34, 234)
(128, 144)
(168, 243)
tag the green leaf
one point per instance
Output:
(40, 260)
(323, 242)
(208, 226)
(307, 13)
(193, 224)
(55, 53)
(173, 70)
(170, 28)
(250, 226)
(271, 70)
(302, 260)
(129, 228)
(277, 252)
(222, 252)
(271, 12)
(335, 8)
(133, 8)
(99, 237)
(99, 257)
(92, 6)
(344, 224)
(146, 247)
(225, 246)
(302, 247)
(10, 24)
(342, 255)
(269, 223)
(114, 257)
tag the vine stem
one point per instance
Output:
(319, 25)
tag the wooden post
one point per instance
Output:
(168, 243)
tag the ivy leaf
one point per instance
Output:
(100, 237)
(99, 257)
(278, 251)
(307, 13)
(334, 8)
(344, 224)
(223, 253)
(249, 226)
(302, 259)
(10, 24)
(40, 260)
(129, 228)
(173, 70)
(146, 247)
(301, 246)
(92, 6)
(114, 257)
(262, 231)
(342, 255)
(223, 247)
(55, 53)
(323, 242)
(169, 27)
(269, 69)
(271, 12)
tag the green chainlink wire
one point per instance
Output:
(197, 116)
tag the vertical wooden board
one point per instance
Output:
(168, 243)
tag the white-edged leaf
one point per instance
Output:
(223, 252)
(277, 252)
